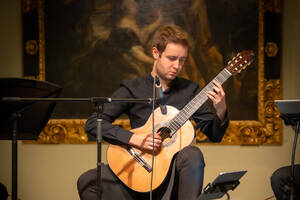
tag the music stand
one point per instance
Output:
(224, 182)
(290, 113)
(30, 114)
(24, 120)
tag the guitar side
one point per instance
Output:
(135, 176)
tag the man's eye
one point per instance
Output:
(172, 58)
(181, 60)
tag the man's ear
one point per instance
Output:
(155, 53)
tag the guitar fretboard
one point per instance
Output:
(189, 109)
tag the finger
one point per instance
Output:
(216, 96)
(219, 87)
(216, 83)
(157, 136)
(150, 139)
(155, 149)
(216, 90)
(212, 97)
(211, 94)
(156, 143)
(150, 146)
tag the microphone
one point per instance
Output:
(160, 94)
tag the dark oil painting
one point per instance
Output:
(93, 45)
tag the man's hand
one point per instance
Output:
(145, 141)
(218, 98)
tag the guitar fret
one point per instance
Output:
(185, 112)
(182, 117)
(221, 78)
(171, 126)
(188, 107)
(175, 124)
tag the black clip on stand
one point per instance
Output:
(290, 113)
(221, 185)
(218, 190)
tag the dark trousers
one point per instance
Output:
(187, 181)
(281, 183)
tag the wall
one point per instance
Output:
(50, 171)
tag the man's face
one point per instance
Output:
(170, 62)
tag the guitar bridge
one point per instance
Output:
(139, 159)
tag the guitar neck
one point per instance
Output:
(178, 121)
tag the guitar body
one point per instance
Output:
(131, 172)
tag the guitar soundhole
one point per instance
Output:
(165, 133)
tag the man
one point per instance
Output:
(3, 192)
(185, 178)
(281, 182)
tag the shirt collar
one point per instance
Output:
(150, 80)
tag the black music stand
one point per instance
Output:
(290, 113)
(28, 104)
(24, 120)
(221, 185)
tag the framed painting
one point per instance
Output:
(89, 47)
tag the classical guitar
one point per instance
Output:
(133, 166)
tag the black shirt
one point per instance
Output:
(178, 95)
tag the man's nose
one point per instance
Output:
(176, 64)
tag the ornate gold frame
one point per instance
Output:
(266, 130)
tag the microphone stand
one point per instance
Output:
(99, 110)
(15, 117)
(97, 101)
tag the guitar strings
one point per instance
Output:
(192, 106)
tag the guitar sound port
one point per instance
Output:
(165, 132)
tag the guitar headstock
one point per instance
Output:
(240, 62)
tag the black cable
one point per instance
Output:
(153, 106)
(227, 196)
